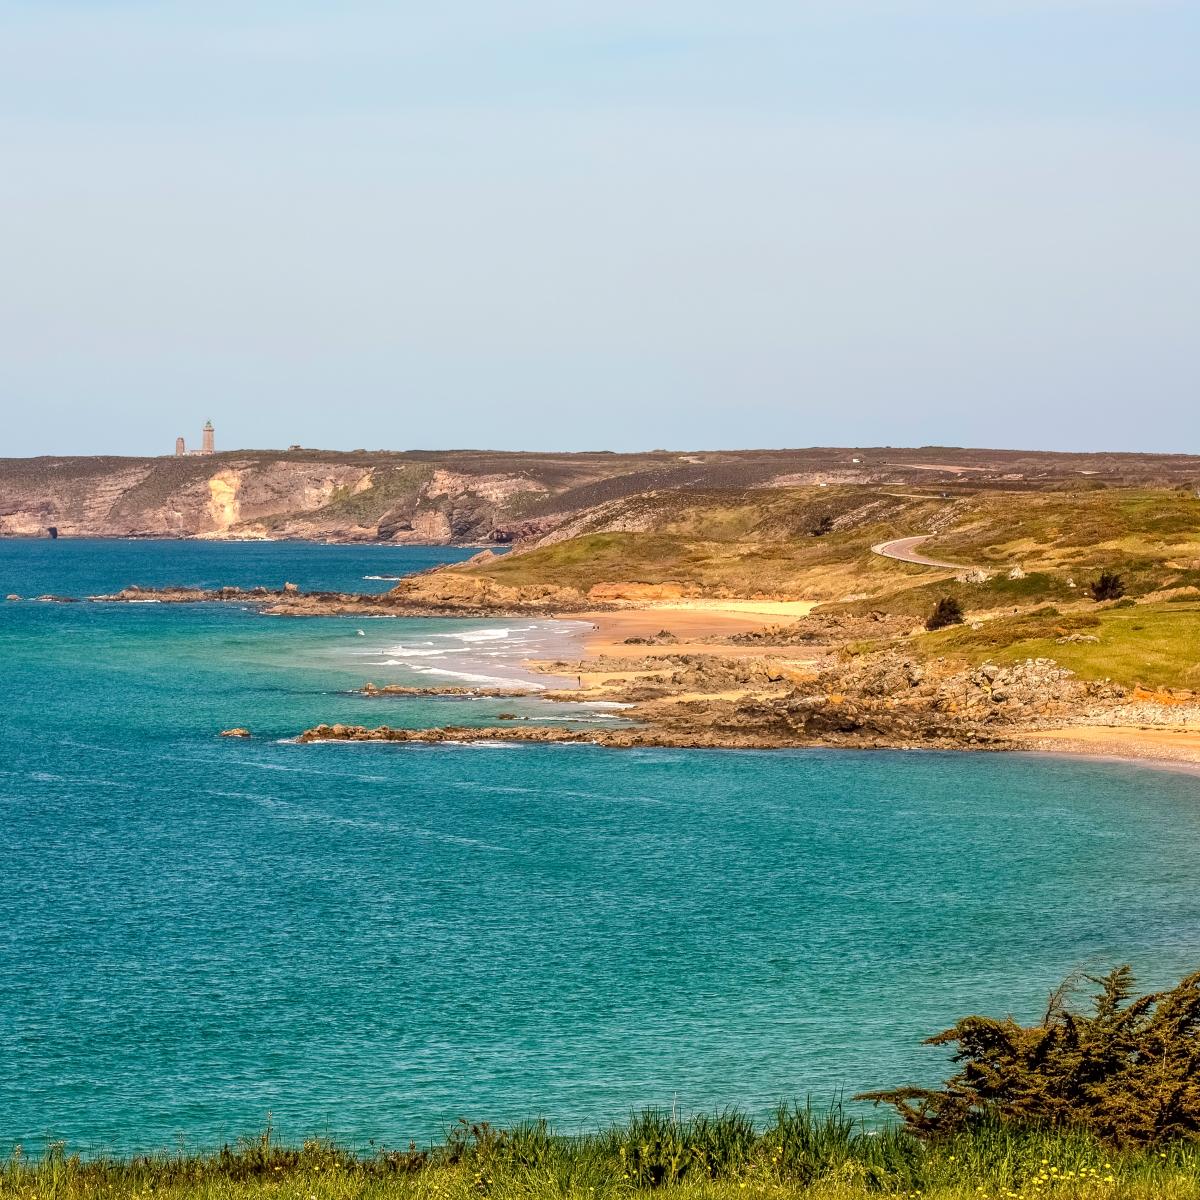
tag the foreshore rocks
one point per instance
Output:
(881, 700)
(494, 693)
(402, 601)
(627, 737)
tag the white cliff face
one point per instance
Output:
(223, 508)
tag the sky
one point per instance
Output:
(625, 224)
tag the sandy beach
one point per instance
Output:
(1143, 743)
(689, 621)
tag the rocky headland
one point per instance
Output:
(875, 701)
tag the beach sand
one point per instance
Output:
(1143, 742)
(687, 620)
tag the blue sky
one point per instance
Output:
(616, 225)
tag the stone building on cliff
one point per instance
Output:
(207, 444)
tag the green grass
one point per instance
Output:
(1085, 530)
(917, 601)
(718, 1157)
(1156, 645)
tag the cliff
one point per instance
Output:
(481, 496)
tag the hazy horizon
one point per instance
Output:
(673, 450)
(561, 226)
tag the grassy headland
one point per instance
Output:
(816, 543)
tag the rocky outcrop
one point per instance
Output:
(829, 628)
(396, 689)
(869, 701)
(448, 595)
(449, 591)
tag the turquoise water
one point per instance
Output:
(94, 567)
(371, 941)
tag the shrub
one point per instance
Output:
(947, 611)
(1110, 586)
(1124, 1072)
(823, 526)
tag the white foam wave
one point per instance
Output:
(472, 678)
(487, 635)
(596, 720)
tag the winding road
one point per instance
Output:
(905, 550)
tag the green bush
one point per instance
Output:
(1110, 586)
(1127, 1072)
(947, 611)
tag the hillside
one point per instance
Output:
(490, 497)
(816, 543)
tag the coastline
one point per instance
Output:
(706, 673)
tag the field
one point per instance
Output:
(724, 1157)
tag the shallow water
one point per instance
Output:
(372, 940)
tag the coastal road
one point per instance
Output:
(905, 550)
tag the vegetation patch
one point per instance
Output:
(1124, 1072)
(1157, 645)
(721, 1156)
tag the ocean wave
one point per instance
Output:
(596, 720)
(470, 677)
(487, 635)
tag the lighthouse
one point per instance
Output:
(206, 438)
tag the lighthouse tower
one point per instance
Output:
(206, 443)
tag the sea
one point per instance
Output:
(368, 942)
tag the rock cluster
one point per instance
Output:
(826, 628)
(397, 689)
